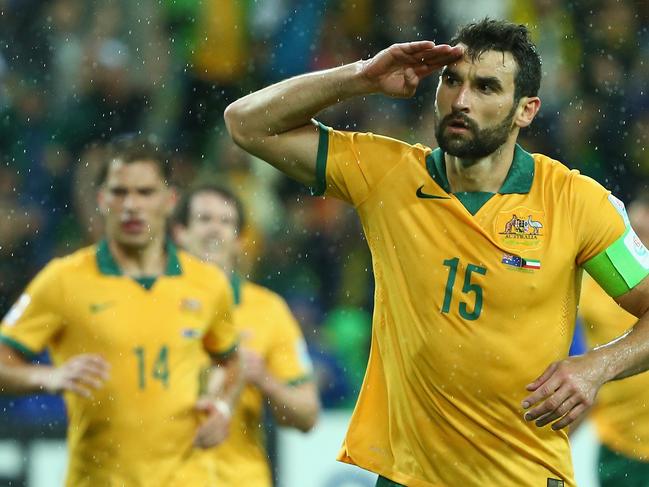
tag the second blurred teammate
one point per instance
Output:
(276, 368)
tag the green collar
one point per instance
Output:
(235, 281)
(519, 178)
(108, 266)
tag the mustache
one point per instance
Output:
(459, 117)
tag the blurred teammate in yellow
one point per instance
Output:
(478, 249)
(276, 365)
(621, 412)
(130, 323)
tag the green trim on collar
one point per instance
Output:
(18, 347)
(108, 265)
(146, 282)
(519, 178)
(105, 260)
(173, 262)
(521, 174)
(474, 201)
(320, 185)
(436, 166)
(235, 281)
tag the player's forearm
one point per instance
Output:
(294, 406)
(232, 382)
(628, 355)
(292, 103)
(23, 379)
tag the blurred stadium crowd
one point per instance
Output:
(74, 73)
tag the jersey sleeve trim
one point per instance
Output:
(223, 356)
(621, 266)
(320, 185)
(19, 347)
(300, 380)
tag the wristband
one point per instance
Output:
(223, 407)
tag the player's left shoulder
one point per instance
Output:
(261, 295)
(566, 181)
(201, 273)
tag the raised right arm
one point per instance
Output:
(275, 123)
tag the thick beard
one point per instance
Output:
(484, 141)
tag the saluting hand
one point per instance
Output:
(565, 391)
(80, 374)
(397, 70)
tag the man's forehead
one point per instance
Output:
(211, 202)
(487, 63)
(143, 173)
(144, 166)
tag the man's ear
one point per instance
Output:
(528, 108)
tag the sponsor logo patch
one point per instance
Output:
(555, 483)
(99, 307)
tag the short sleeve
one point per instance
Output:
(288, 358)
(38, 314)
(609, 249)
(351, 164)
(220, 338)
(596, 218)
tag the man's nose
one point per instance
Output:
(131, 202)
(461, 102)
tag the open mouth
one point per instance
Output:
(458, 123)
(132, 226)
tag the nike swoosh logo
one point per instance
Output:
(426, 196)
(98, 307)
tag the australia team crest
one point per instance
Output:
(521, 228)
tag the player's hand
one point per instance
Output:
(254, 368)
(216, 425)
(565, 391)
(81, 375)
(397, 70)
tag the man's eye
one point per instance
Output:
(451, 81)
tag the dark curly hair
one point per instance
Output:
(500, 35)
(135, 147)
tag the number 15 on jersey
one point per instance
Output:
(468, 288)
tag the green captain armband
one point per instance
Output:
(621, 266)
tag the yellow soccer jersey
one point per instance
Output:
(476, 294)
(265, 326)
(138, 429)
(620, 414)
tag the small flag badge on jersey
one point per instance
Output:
(555, 483)
(518, 261)
(190, 333)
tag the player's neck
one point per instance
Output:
(149, 261)
(485, 174)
